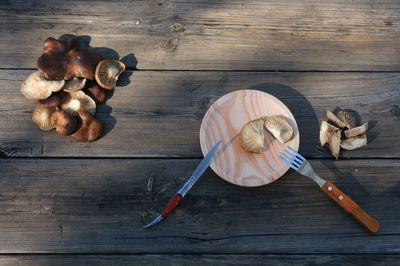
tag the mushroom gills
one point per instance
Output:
(347, 118)
(108, 72)
(74, 84)
(279, 128)
(78, 101)
(252, 136)
(354, 142)
(41, 117)
(37, 87)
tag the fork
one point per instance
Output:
(302, 166)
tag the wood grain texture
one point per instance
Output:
(158, 114)
(224, 121)
(203, 259)
(90, 205)
(351, 207)
(212, 35)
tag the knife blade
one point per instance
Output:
(187, 186)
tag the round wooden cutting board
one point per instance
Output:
(224, 120)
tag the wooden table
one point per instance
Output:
(63, 202)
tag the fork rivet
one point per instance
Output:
(340, 197)
(330, 188)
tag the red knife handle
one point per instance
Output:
(171, 205)
(351, 207)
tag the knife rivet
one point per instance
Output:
(340, 197)
(330, 188)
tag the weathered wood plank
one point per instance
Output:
(212, 35)
(158, 114)
(100, 205)
(206, 259)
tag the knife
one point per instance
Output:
(187, 186)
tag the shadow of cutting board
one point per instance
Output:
(224, 120)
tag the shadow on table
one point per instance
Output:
(103, 110)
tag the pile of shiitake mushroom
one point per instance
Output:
(68, 85)
(341, 131)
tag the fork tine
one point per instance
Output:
(293, 157)
(295, 152)
(291, 160)
(286, 162)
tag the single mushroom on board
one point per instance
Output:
(65, 123)
(78, 101)
(74, 84)
(62, 60)
(41, 117)
(37, 87)
(107, 73)
(251, 136)
(279, 128)
(55, 99)
(90, 129)
(330, 135)
(96, 92)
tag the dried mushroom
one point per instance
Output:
(74, 84)
(78, 101)
(65, 123)
(279, 128)
(354, 137)
(107, 73)
(62, 60)
(41, 117)
(330, 135)
(354, 142)
(37, 87)
(347, 118)
(90, 129)
(355, 131)
(251, 136)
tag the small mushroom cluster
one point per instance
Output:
(341, 131)
(69, 84)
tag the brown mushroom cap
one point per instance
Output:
(96, 92)
(89, 130)
(74, 84)
(55, 99)
(62, 60)
(107, 73)
(37, 87)
(41, 116)
(78, 101)
(65, 123)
